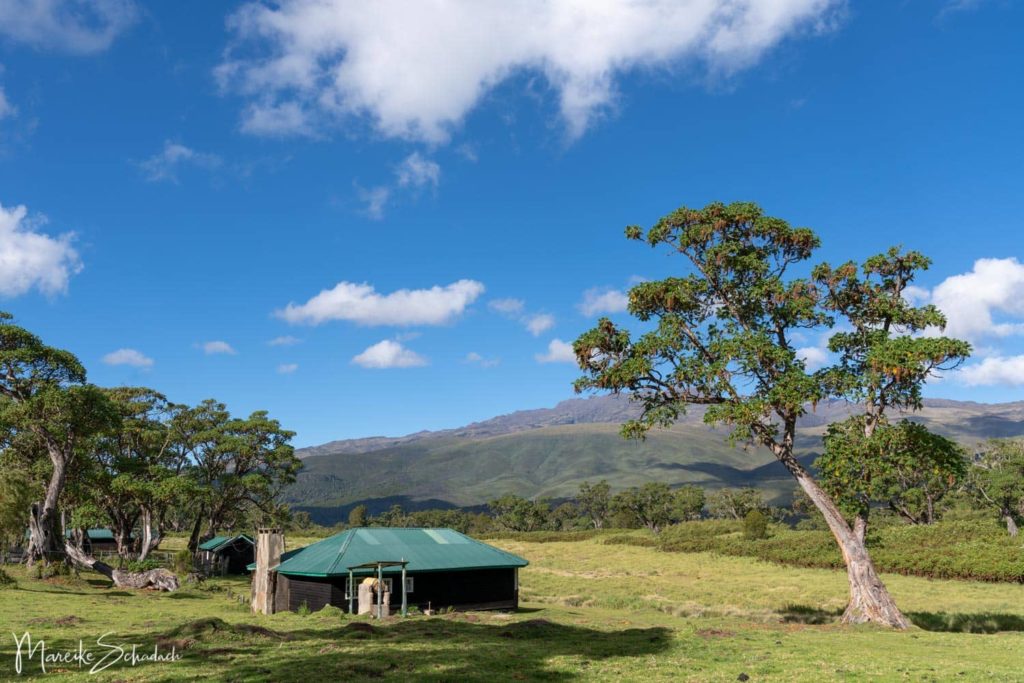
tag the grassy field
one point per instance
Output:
(590, 612)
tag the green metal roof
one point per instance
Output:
(214, 543)
(425, 550)
(219, 541)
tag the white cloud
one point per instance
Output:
(281, 120)
(599, 301)
(165, 164)
(515, 309)
(360, 303)
(971, 300)
(474, 358)
(374, 199)
(414, 70)
(916, 296)
(286, 340)
(814, 357)
(507, 306)
(539, 324)
(30, 259)
(211, 348)
(131, 357)
(1005, 370)
(415, 171)
(558, 352)
(6, 108)
(389, 354)
(74, 26)
(287, 368)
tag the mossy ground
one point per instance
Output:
(590, 612)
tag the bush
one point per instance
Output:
(629, 539)
(978, 551)
(183, 561)
(141, 565)
(303, 610)
(6, 580)
(543, 536)
(755, 525)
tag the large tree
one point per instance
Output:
(238, 466)
(45, 403)
(725, 335)
(997, 480)
(594, 501)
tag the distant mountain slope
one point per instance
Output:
(549, 452)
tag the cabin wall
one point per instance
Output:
(463, 590)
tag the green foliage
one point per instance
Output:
(142, 565)
(902, 465)
(303, 609)
(755, 525)
(687, 503)
(514, 513)
(15, 497)
(731, 503)
(720, 333)
(183, 560)
(357, 516)
(594, 501)
(997, 480)
(631, 539)
(652, 504)
(944, 550)
(6, 580)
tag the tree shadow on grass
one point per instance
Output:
(805, 614)
(981, 622)
(458, 648)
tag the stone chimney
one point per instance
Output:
(269, 546)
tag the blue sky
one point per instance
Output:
(185, 177)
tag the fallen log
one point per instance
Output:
(158, 579)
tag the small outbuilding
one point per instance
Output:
(227, 554)
(442, 569)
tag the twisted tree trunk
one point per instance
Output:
(869, 598)
(46, 540)
(159, 579)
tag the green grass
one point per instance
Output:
(590, 612)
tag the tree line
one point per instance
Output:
(74, 455)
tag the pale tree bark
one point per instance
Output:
(149, 540)
(869, 598)
(1011, 524)
(46, 541)
(159, 579)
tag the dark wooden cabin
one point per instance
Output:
(227, 554)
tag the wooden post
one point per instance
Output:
(405, 611)
(351, 590)
(269, 546)
(380, 590)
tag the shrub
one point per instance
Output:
(755, 525)
(183, 561)
(628, 539)
(978, 551)
(303, 610)
(141, 565)
(6, 580)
